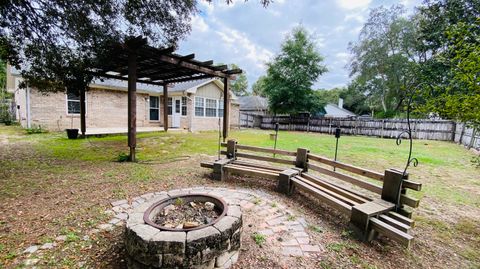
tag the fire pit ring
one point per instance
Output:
(212, 245)
(157, 207)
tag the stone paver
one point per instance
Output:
(289, 235)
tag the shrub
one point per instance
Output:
(122, 157)
(476, 161)
(36, 130)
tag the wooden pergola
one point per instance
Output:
(137, 62)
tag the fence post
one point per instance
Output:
(472, 138)
(454, 130)
(383, 128)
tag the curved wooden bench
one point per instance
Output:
(369, 214)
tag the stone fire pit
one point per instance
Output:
(209, 245)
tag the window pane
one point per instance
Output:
(211, 103)
(199, 111)
(71, 95)
(154, 114)
(184, 106)
(169, 103)
(199, 106)
(220, 108)
(211, 112)
(154, 101)
(73, 107)
(177, 106)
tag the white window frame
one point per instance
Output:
(217, 107)
(75, 114)
(170, 106)
(182, 106)
(150, 107)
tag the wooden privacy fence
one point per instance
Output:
(391, 128)
(373, 208)
(444, 130)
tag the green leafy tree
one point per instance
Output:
(60, 40)
(240, 85)
(291, 74)
(450, 34)
(385, 57)
(258, 88)
(354, 98)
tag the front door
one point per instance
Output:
(176, 113)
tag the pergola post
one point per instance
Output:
(83, 124)
(165, 107)
(226, 108)
(132, 103)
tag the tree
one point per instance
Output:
(240, 85)
(291, 74)
(258, 88)
(450, 33)
(385, 57)
(59, 40)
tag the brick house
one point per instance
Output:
(194, 106)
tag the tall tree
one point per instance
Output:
(240, 85)
(385, 57)
(291, 74)
(450, 34)
(59, 40)
(258, 88)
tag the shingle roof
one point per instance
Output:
(253, 103)
(180, 87)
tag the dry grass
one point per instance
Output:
(52, 186)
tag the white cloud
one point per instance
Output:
(198, 24)
(353, 4)
(342, 57)
(240, 44)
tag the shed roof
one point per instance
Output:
(256, 103)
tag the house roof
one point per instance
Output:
(122, 85)
(333, 110)
(253, 103)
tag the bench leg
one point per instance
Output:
(218, 171)
(285, 185)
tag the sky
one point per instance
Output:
(249, 35)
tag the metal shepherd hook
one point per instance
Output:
(276, 136)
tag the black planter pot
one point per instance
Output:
(72, 133)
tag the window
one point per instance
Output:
(184, 106)
(211, 108)
(73, 102)
(154, 108)
(169, 105)
(220, 108)
(199, 106)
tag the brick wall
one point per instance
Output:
(105, 108)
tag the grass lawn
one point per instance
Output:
(53, 186)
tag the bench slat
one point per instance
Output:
(347, 167)
(253, 168)
(407, 200)
(244, 163)
(265, 158)
(395, 223)
(329, 192)
(245, 171)
(358, 182)
(331, 201)
(402, 219)
(355, 197)
(391, 232)
(206, 165)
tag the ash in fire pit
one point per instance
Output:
(182, 215)
(183, 231)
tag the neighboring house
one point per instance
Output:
(337, 111)
(194, 105)
(256, 105)
(259, 106)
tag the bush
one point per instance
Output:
(476, 161)
(36, 130)
(122, 157)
